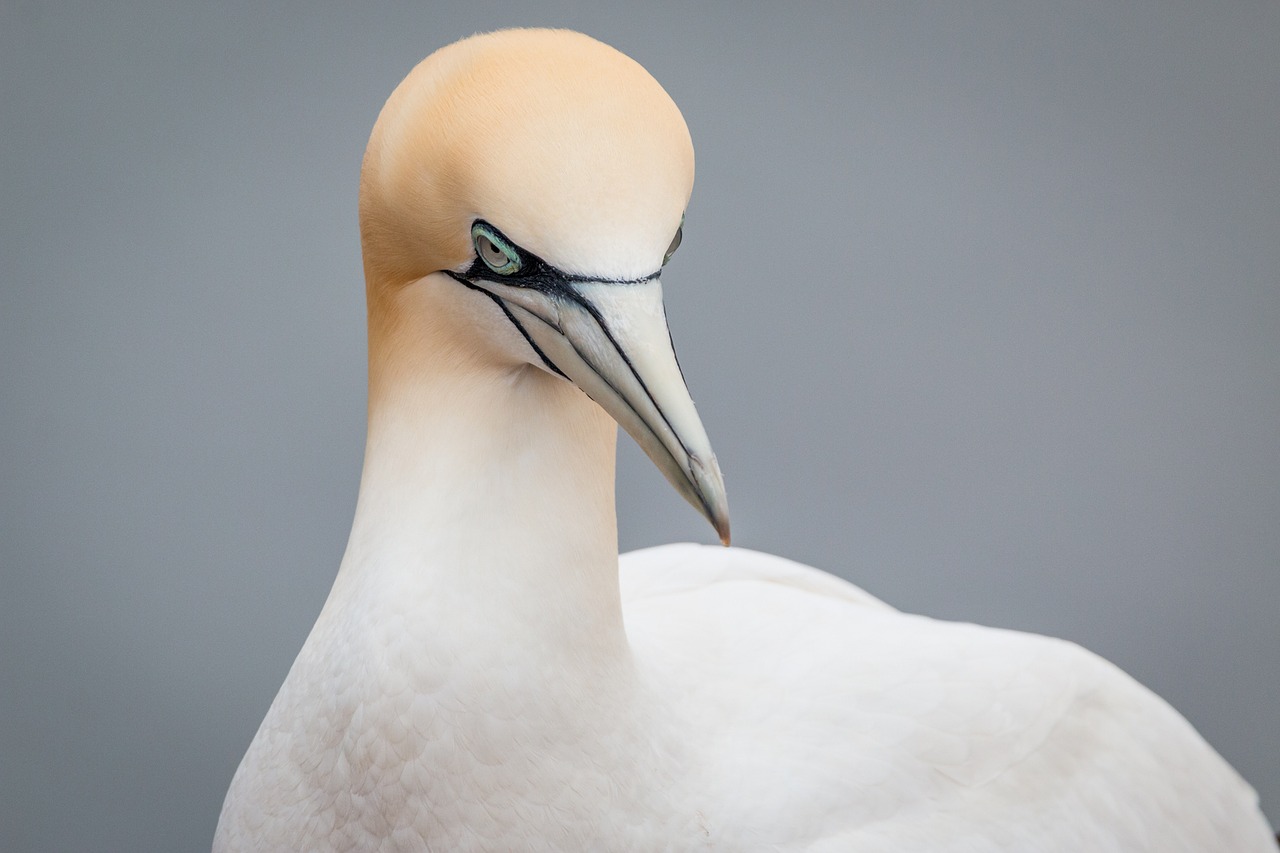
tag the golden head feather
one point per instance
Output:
(566, 144)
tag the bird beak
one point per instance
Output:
(611, 340)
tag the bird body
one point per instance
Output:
(488, 674)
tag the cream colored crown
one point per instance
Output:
(568, 146)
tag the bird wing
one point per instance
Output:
(964, 701)
(982, 699)
(869, 725)
(686, 567)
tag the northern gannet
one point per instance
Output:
(488, 674)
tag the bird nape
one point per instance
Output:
(488, 674)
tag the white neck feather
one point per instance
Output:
(487, 498)
(472, 648)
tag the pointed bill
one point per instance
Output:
(611, 340)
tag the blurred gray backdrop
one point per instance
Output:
(980, 303)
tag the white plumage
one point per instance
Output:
(486, 676)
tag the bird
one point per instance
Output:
(487, 673)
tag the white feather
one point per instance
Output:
(486, 675)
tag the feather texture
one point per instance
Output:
(488, 674)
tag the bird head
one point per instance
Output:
(550, 173)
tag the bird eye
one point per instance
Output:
(675, 243)
(496, 253)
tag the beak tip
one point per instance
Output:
(708, 483)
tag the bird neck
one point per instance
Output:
(487, 495)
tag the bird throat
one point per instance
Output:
(487, 496)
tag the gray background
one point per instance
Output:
(980, 304)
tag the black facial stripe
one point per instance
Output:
(537, 274)
(549, 280)
(642, 280)
(581, 354)
(551, 365)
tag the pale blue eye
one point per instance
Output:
(497, 254)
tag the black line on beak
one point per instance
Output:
(586, 305)
(547, 279)
(536, 274)
(551, 365)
